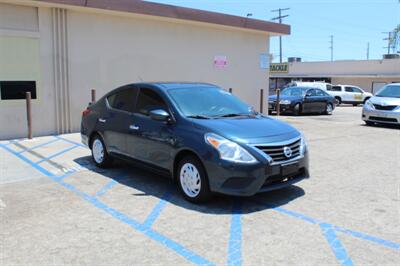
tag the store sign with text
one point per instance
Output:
(279, 68)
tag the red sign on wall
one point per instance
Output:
(220, 61)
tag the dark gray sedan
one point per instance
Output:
(301, 100)
(203, 137)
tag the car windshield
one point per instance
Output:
(294, 91)
(389, 91)
(208, 102)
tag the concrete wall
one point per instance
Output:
(81, 49)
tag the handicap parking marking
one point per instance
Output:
(165, 241)
(39, 145)
(57, 154)
(336, 245)
(235, 239)
(72, 142)
(160, 206)
(105, 188)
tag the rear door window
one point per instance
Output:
(149, 100)
(321, 93)
(336, 88)
(312, 92)
(349, 89)
(123, 100)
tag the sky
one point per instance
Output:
(353, 23)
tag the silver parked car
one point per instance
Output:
(384, 107)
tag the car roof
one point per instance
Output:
(174, 85)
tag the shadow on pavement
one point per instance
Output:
(146, 183)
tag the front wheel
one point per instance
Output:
(297, 109)
(329, 109)
(99, 153)
(192, 180)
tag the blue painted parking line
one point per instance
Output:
(23, 158)
(57, 154)
(105, 188)
(179, 249)
(235, 239)
(366, 237)
(71, 141)
(40, 145)
(155, 213)
(336, 245)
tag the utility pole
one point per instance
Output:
(331, 47)
(279, 18)
(368, 51)
(389, 39)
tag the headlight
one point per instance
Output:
(284, 102)
(229, 150)
(303, 145)
(369, 104)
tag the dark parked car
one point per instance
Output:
(301, 100)
(203, 137)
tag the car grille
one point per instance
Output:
(383, 119)
(385, 107)
(276, 151)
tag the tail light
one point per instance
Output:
(86, 112)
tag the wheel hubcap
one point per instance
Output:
(98, 151)
(190, 180)
(329, 108)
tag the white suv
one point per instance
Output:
(349, 94)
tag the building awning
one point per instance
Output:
(176, 12)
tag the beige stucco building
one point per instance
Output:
(63, 48)
(367, 74)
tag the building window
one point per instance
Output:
(16, 90)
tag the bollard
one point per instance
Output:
(261, 100)
(93, 96)
(230, 90)
(29, 114)
(278, 106)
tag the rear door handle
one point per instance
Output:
(134, 127)
(101, 120)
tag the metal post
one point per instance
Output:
(93, 95)
(261, 100)
(277, 106)
(29, 114)
(230, 90)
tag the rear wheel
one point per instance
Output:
(329, 109)
(338, 100)
(192, 180)
(99, 153)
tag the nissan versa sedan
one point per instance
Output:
(384, 107)
(203, 137)
(301, 100)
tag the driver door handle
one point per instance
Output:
(101, 120)
(134, 127)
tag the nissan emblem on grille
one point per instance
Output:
(287, 151)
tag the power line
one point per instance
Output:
(280, 17)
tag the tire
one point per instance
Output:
(100, 155)
(366, 99)
(192, 180)
(297, 109)
(328, 109)
(338, 101)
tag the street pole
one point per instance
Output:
(279, 18)
(331, 47)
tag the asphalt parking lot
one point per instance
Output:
(56, 207)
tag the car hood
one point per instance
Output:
(272, 98)
(260, 129)
(385, 100)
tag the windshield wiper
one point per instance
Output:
(235, 115)
(199, 117)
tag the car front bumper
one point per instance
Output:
(283, 108)
(248, 180)
(379, 116)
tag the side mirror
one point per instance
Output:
(159, 115)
